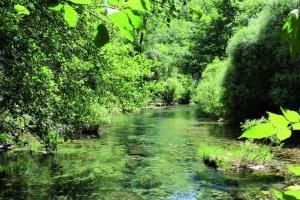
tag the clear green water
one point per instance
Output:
(149, 155)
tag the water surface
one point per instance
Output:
(147, 155)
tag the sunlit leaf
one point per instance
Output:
(278, 121)
(21, 10)
(259, 131)
(278, 194)
(296, 126)
(128, 34)
(147, 4)
(295, 170)
(121, 20)
(135, 20)
(114, 2)
(70, 16)
(290, 115)
(83, 2)
(141, 5)
(292, 193)
(283, 133)
(56, 7)
(102, 36)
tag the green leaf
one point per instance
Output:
(278, 121)
(56, 7)
(102, 36)
(278, 194)
(296, 126)
(292, 193)
(82, 2)
(140, 5)
(295, 170)
(21, 10)
(135, 20)
(70, 16)
(290, 115)
(114, 2)
(147, 4)
(128, 34)
(291, 31)
(284, 133)
(121, 20)
(259, 131)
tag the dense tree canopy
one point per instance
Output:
(66, 66)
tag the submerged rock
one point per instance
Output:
(256, 167)
(5, 146)
(92, 131)
(210, 163)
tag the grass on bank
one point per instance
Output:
(246, 153)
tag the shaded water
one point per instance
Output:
(149, 155)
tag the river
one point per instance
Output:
(148, 155)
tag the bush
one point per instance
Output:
(173, 90)
(210, 89)
(261, 73)
(98, 115)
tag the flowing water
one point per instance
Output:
(147, 155)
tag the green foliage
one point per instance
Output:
(135, 20)
(291, 31)
(5, 138)
(248, 91)
(173, 90)
(98, 115)
(281, 125)
(210, 36)
(121, 20)
(209, 91)
(70, 16)
(54, 83)
(248, 12)
(141, 5)
(120, 16)
(219, 21)
(251, 123)
(21, 10)
(168, 44)
(290, 115)
(294, 170)
(290, 194)
(84, 2)
(258, 132)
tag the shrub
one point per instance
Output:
(209, 91)
(173, 90)
(260, 62)
(98, 115)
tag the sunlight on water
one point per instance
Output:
(149, 155)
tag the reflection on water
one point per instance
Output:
(150, 155)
